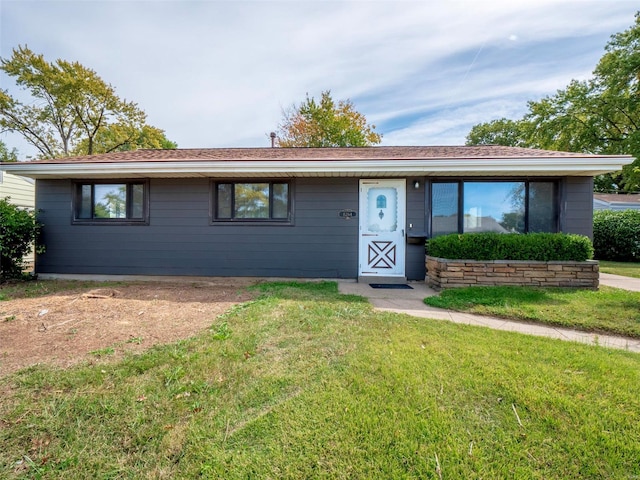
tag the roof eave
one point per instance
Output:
(534, 166)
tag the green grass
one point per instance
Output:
(627, 269)
(608, 310)
(306, 383)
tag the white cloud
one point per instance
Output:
(450, 126)
(217, 73)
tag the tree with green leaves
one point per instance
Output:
(72, 111)
(498, 132)
(122, 138)
(600, 115)
(7, 155)
(325, 124)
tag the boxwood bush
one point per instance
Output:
(616, 235)
(541, 247)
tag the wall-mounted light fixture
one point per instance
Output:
(416, 184)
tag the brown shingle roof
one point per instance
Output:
(618, 198)
(314, 154)
(310, 162)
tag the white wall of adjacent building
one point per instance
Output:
(22, 192)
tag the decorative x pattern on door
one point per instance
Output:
(382, 255)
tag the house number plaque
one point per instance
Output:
(347, 214)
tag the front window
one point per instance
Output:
(444, 208)
(252, 201)
(111, 202)
(542, 207)
(494, 206)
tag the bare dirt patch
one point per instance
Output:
(82, 323)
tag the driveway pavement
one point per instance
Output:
(410, 302)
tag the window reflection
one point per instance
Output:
(110, 201)
(444, 208)
(225, 194)
(504, 207)
(280, 200)
(494, 207)
(542, 216)
(251, 201)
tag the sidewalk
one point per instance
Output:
(618, 281)
(410, 302)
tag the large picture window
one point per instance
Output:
(493, 206)
(111, 202)
(252, 201)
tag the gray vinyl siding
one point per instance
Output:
(415, 269)
(576, 214)
(180, 240)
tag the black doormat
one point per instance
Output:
(395, 286)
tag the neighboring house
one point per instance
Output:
(21, 192)
(297, 212)
(614, 201)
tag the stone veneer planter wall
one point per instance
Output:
(445, 273)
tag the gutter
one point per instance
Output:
(537, 166)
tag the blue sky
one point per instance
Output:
(218, 73)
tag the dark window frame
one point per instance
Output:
(214, 219)
(527, 181)
(76, 195)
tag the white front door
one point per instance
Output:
(382, 223)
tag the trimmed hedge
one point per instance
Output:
(540, 247)
(616, 235)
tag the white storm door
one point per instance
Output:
(382, 222)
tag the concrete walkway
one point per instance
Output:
(410, 302)
(618, 281)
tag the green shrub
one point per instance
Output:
(616, 235)
(19, 231)
(542, 247)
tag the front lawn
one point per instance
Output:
(627, 269)
(608, 310)
(307, 383)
